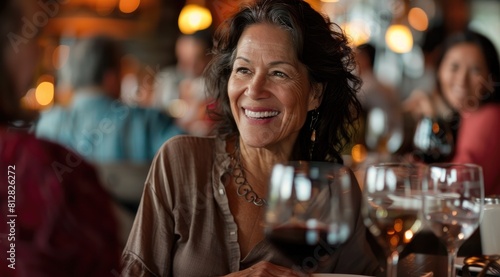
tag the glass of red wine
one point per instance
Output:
(309, 212)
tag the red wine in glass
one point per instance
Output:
(309, 212)
(298, 242)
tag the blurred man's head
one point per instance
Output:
(192, 52)
(95, 62)
(365, 57)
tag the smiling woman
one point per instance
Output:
(268, 89)
(283, 85)
(468, 76)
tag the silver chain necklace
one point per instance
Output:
(244, 188)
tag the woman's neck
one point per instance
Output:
(258, 162)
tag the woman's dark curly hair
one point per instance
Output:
(321, 46)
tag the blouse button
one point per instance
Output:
(221, 191)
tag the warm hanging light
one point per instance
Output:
(358, 31)
(129, 6)
(44, 93)
(418, 19)
(399, 38)
(194, 18)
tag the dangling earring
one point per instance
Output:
(314, 121)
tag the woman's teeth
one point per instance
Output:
(259, 115)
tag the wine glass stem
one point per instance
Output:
(392, 264)
(452, 254)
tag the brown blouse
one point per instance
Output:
(184, 226)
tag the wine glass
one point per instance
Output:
(433, 140)
(383, 131)
(392, 206)
(453, 197)
(309, 212)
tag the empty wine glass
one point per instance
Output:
(383, 131)
(433, 140)
(453, 197)
(392, 206)
(309, 212)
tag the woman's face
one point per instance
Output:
(463, 76)
(269, 89)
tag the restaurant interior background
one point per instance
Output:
(148, 30)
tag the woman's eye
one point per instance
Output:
(242, 70)
(475, 70)
(280, 74)
(454, 67)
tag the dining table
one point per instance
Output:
(425, 265)
(418, 265)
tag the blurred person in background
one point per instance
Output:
(96, 124)
(468, 99)
(180, 89)
(119, 140)
(469, 75)
(59, 219)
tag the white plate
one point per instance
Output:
(459, 263)
(336, 275)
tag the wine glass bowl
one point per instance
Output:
(383, 130)
(392, 207)
(433, 140)
(309, 210)
(453, 197)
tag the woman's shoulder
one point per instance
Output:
(490, 109)
(187, 149)
(190, 143)
(488, 113)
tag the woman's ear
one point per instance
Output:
(315, 96)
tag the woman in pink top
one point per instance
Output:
(468, 78)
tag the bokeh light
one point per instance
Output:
(129, 6)
(418, 19)
(358, 153)
(358, 31)
(44, 93)
(194, 18)
(399, 38)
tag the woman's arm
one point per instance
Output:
(150, 242)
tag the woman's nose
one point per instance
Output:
(462, 77)
(257, 87)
